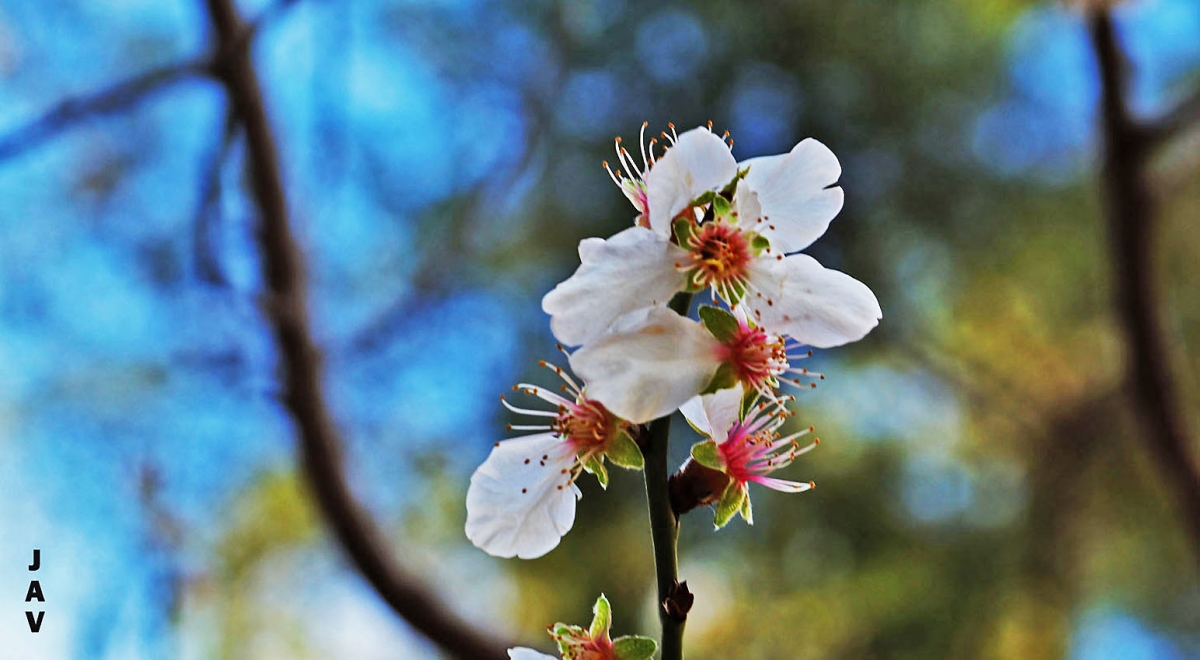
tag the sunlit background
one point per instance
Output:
(983, 492)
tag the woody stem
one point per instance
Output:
(674, 600)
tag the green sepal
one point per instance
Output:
(724, 378)
(759, 244)
(719, 322)
(564, 635)
(721, 208)
(684, 228)
(706, 454)
(601, 619)
(624, 452)
(749, 398)
(730, 187)
(634, 647)
(730, 504)
(595, 465)
(705, 197)
(746, 511)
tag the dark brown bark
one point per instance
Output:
(1132, 222)
(300, 366)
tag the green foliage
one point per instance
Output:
(595, 465)
(634, 648)
(601, 618)
(733, 501)
(623, 451)
(707, 454)
(723, 378)
(719, 322)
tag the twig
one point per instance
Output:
(674, 599)
(1177, 121)
(1131, 219)
(208, 211)
(283, 273)
(116, 98)
(128, 93)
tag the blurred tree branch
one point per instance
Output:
(283, 273)
(128, 93)
(1132, 223)
(1176, 122)
(208, 212)
(116, 98)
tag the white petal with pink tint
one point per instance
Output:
(792, 191)
(815, 305)
(699, 161)
(631, 270)
(651, 369)
(714, 414)
(520, 501)
(522, 653)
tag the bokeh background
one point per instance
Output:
(983, 489)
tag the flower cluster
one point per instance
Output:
(704, 223)
(594, 643)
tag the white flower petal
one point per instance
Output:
(791, 191)
(522, 653)
(519, 502)
(699, 161)
(652, 369)
(693, 412)
(631, 270)
(714, 414)
(589, 248)
(815, 305)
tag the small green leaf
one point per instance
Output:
(623, 451)
(747, 512)
(730, 504)
(565, 635)
(759, 244)
(684, 229)
(724, 378)
(719, 322)
(602, 618)
(748, 401)
(730, 187)
(634, 647)
(704, 198)
(707, 454)
(721, 207)
(595, 465)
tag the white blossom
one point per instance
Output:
(782, 204)
(521, 500)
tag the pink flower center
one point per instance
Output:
(719, 255)
(757, 357)
(586, 426)
(747, 452)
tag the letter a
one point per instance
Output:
(35, 626)
(35, 591)
(37, 560)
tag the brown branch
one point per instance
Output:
(208, 211)
(1131, 219)
(116, 98)
(128, 93)
(1176, 122)
(283, 272)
